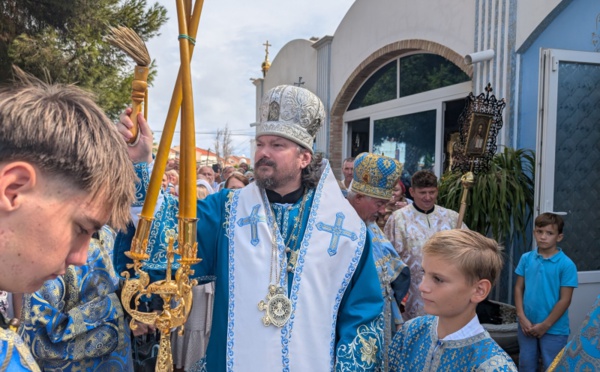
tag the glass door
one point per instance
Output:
(409, 138)
(568, 163)
(569, 150)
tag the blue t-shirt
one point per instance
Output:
(543, 279)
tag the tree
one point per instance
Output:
(64, 40)
(223, 147)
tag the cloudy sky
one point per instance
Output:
(228, 54)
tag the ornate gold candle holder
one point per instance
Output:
(175, 293)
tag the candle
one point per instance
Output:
(169, 128)
(187, 203)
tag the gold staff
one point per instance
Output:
(176, 294)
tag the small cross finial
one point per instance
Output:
(299, 82)
(488, 89)
(267, 45)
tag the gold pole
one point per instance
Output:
(187, 195)
(138, 93)
(467, 180)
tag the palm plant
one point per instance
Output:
(500, 202)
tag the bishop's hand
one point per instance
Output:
(141, 151)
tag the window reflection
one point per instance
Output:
(380, 87)
(410, 139)
(423, 72)
(577, 165)
(418, 73)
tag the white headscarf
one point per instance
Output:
(205, 184)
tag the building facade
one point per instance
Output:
(395, 74)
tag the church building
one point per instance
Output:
(394, 77)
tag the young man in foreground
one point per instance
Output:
(64, 173)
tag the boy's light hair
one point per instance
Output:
(548, 218)
(476, 256)
(61, 131)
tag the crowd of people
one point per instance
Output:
(300, 271)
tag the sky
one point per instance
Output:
(228, 53)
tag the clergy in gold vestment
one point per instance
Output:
(410, 227)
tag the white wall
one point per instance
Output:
(296, 58)
(584, 297)
(372, 24)
(530, 13)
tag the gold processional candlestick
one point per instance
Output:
(176, 294)
(479, 125)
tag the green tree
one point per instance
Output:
(63, 40)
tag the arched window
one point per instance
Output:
(423, 72)
(380, 87)
(411, 105)
(418, 73)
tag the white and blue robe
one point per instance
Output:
(582, 352)
(416, 347)
(394, 277)
(336, 321)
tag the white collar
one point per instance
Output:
(472, 328)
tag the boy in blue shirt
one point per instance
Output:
(546, 278)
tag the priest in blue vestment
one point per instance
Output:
(296, 284)
(373, 181)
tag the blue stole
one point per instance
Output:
(582, 353)
(389, 266)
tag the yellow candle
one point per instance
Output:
(169, 129)
(187, 206)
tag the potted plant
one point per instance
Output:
(500, 203)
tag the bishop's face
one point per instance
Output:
(279, 164)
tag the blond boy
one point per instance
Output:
(460, 268)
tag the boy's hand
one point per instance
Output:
(539, 330)
(525, 326)
(142, 150)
